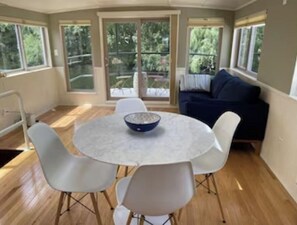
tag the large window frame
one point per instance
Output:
(69, 87)
(205, 23)
(218, 49)
(250, 45)
(24, 67)
(140, 55)
(244, 53)
(172, 14)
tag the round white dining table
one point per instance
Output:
(177, 138)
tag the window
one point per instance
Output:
(22, 47)
(204, 37)
(139, 49)
(33, 45)
(247, 44)
(203, 50)
(249, 50)
(78, 57)
(124, 57)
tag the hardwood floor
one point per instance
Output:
(250, 193)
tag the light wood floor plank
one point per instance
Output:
(250, 193)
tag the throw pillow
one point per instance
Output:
(219, 82)
(196, 82)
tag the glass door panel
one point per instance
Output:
(155, 54)
(120, 58)
(137, 58)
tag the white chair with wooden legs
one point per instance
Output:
(68, 173)
(154, 193)
(215, 159)
(129, 105)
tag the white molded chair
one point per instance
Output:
(68, 173)
(215, 159)
(129, 105)
(154, 193)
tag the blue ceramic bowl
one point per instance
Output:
(142, 121)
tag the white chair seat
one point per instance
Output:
(209, 162)
(121, 189)
(82, 174)
(154, 193)
(121, 214)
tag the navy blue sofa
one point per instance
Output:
(228, 93)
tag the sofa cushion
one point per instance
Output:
(219, 81)
(195, 82)
(238, 90)
(186, 96)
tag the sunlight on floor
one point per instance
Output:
(71, 116)
(239, 186)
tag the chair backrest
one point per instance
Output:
(224, 130)
(51, 152)
(129, 105)
(156, 190)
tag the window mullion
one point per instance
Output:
(250, 52)
(44, 46)
(189, 30)
(21, 47)
(139, 56)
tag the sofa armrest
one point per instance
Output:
(253, 115)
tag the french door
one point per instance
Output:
(137, 56)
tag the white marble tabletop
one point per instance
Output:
(176, 138)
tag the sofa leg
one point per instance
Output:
(257, 145)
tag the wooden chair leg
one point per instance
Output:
(107, 199)
(126, 170)
(175, 221)
(207, 182)
(218, 197)
(118, 172)
(171, 220)
(129, 218)
(60, 205)
(68, 200)
(180, 213)
(95, 205)
(142, 219)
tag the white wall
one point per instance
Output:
(279, 149)
(38, 91)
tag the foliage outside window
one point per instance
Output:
(203, 50)
(155, 47)
(122, 47)
(22, 47)
(78, 56)
(123, 53)
(249, 47)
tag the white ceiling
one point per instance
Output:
(54, 6)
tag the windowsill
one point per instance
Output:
(20, 73)
(235, 71)
(92, 92)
